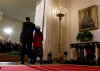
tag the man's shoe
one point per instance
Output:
(32, 61)
(22, 62)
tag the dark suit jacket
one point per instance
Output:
(27, 31)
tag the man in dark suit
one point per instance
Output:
(26, 38)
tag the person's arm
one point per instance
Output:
(20, 44)
(21, 34)
(35, 28)
(33, 35)
(42, 35)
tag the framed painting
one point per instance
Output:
(88, 18)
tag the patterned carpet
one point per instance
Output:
(49, 68)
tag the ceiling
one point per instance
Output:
(18, 9)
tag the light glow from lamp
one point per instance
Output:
(8, 31)
(59, 10)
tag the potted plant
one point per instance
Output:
(85, 36)
(13, 53)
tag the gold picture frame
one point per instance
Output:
(88, 18)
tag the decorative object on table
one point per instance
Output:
(88, 18)
(84, 36)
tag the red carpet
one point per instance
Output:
(50, 68)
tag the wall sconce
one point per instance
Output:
(8, 31)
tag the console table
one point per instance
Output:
(87, 52)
